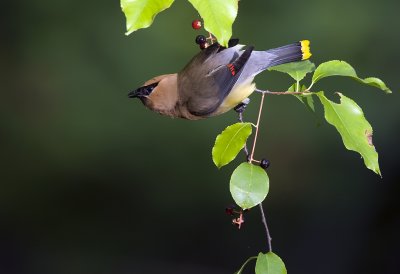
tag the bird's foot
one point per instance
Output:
(242, 106)
(240, 109)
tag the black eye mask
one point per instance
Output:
(142, 91)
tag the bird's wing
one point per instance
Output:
(209, 89)
(226, 76)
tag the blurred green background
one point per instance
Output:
(92, 182)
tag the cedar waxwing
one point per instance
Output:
(216, 80)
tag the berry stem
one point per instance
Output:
(211, 38)
(257, 126)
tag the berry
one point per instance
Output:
(229, 210)
(233, 42)
(196, 24)
(200, 39)
(265, 163)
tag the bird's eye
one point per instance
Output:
(150, 88)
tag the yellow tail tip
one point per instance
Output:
(305, 49)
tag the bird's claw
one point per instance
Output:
(242, 106)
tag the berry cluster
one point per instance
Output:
(201, 40)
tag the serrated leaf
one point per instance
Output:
(229, 143)
(270, 263)
(249, 185)
(341, 68)
(297, 70)
(218, 17)
(140, 13)
(348, 118)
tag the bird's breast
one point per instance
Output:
(238, 93)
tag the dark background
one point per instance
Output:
(92, 182)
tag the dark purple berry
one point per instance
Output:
(196, 24)
(200, 39)
(265, 163)
(229, 210)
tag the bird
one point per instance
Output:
(215, 80)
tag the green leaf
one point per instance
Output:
(140, 13)
(333, 68)
(218, 17)
(341, 68)
(270, 263)
(229, 143)
(307, 99)
(348, 118)
(375, 82)
(249, 185)
(297, 70)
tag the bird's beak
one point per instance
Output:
(142, 91)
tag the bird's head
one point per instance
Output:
(159, 94)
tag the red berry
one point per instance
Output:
(196, 24)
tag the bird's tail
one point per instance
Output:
(290, 53)
(262, 60)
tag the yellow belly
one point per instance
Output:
(236, 96)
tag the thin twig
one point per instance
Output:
(250, 160)
(283, 92)
(246, 151)
(264, 221)
(257, 126)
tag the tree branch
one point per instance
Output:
(264, 221)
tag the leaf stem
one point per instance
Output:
(245, 263)
(312, 83)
